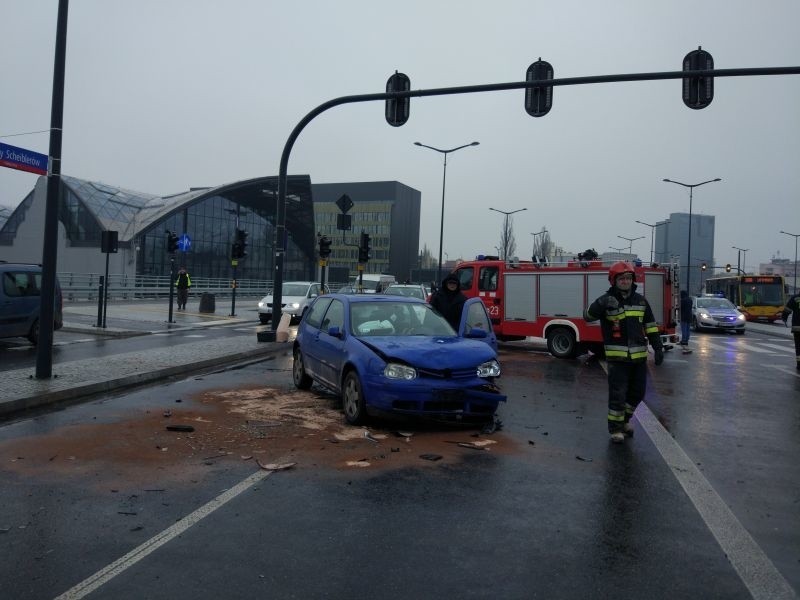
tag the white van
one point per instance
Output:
(373, 282)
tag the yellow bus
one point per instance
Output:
(759, 297)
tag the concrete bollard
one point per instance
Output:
(282, 333)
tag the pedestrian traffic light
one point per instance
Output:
(172, 242)
(235, 250)
(240, 245)
(324, 247)
(397, 109)
(698, 92)
(728, 267)
(539, 99)
(364, 248)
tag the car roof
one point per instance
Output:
(377, 298)
(17, 265)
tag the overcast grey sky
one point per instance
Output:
(163, 95)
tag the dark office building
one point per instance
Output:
(387, 210)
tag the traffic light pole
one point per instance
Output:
(171, 286)
(280, 217)
(233, 292)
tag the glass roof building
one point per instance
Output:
(208, 217)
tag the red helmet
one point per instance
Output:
(618, 268)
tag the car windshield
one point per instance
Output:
(396, 319)
(412, 291)
(714, 303)
(295, 289)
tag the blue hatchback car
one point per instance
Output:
(392, 354)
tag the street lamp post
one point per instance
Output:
(691, 187)
(534, 241)
(652, 232)
(444, 180)
(795, 236)
(618, 250)
(505, 227)
(630, 241)
(739, 259)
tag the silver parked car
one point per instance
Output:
(409, 290)
(295, 298)
(714, 312)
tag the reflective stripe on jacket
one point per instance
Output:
(627, 328)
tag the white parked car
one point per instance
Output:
(295, 298)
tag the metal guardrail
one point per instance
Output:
(76, 287)
(86, 286)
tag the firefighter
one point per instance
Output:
(793, 307)
(627, 323)
(183, 283)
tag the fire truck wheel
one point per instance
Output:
(561, 343)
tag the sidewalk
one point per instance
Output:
(74, 379)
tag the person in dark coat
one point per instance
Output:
(449, 301)
(793, 308)
(686, 320)
(183, 283)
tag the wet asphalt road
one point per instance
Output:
(560, 514)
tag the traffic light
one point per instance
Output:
(364, 248)
(539, 99)
(239, 249)
(324, 247)
(172, 242)
(698, 92)
(728, 267)
(397, 109)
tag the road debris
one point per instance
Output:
(433, 457)
(275, 466)
(184, 428)
(358, 463)
(583, 458)
(368, 436)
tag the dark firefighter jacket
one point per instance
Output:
(627, 327)
(792, 307)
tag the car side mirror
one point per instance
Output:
(335, 331)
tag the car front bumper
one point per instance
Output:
(474, 399)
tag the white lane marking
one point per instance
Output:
(732, 346)
(754, 568)
(781, 348)
(794, 371)
(106, 574)
(748, 559)
(195, 335)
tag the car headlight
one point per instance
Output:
(704, 315)
(740, 318)
(261, 304)
(398, 371)
(293, 305)
(489, 369)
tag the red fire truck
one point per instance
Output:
(531, 299)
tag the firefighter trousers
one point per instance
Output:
(627, 382)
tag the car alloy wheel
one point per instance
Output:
(301, 380)
(355, 411)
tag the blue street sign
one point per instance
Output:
(23, 160)
(184, 243)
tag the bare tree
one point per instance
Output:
(543, 244)
(507, 241)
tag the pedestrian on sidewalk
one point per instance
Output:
(686, 321)
(183, 283)
(627, 323)
(793, 308)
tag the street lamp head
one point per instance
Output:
(717, 179)
(417, 144)
(475, 144)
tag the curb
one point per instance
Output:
(40, 399)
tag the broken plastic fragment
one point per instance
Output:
(275, 466)
(186, 428)
(430, 456)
